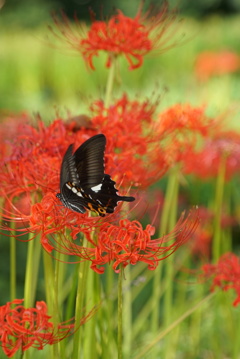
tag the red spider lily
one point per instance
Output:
(31, 163)
(128, 243)
(134, 154)
(206, 162)
(30, 170)
(216, 63)
(22, 328)
(35, 155)
(47, 218)
(181, 127)
(120, 35)
(225, 274)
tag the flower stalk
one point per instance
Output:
(82, 282)
(219, 194)
(110, 82)
(120, 314)
(12, 268)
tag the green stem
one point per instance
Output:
(169, 267)
(72, 294)
(236, 340)
(49, 279)
(162, 334)
(28, 287)
(120, 309)
(89, 350)
(12, 268)
(127, 318)
(49, 291)
(110, 82)
(81, 292)
(170, 260)
(36, 262)
(57, 315)
(218, 209)
(167, 208)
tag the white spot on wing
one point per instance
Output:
(68, 186)
(97, 187)
(74, 190)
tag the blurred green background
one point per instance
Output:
(39, 76)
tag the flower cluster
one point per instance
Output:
(22, 328)
(225, 274)
(222, 146)
(134, 157)
(132, 38)
(181, 127)
(128, 243)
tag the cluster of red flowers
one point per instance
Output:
(225, 274)
(132, 38)
(136, 153)
(32, 164)
(22, 328)
(222, 146)
(181, 127)
(127, 243)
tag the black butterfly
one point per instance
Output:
(83, 183)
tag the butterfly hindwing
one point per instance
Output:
(72, 200)
(107, 195)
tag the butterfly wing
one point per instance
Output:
(89, 161)
(107, 196)
(69, 174)
(68, 169)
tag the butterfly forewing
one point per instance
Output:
(89, 159)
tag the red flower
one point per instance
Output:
(205, 163)
(47, 218)
(120, 35)
(128, 243)
(34, 154)
(22, 328)
(225, 274)
(216, 63)
(180, 128)
(31, 162)
(134, 153)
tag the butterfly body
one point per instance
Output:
(83, 183)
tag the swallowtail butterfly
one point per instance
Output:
(83, 183)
